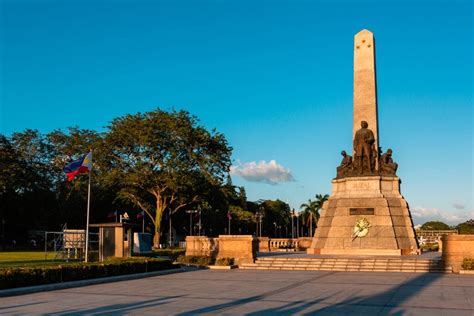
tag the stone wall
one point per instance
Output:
(243, 248)
(456, 248)
(201, 246)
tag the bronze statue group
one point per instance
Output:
(366, 157)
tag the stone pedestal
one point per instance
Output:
(263, 244)
(378, 200)
(455, 249)
(243, 248)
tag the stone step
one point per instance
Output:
(346, 264)
(346, 269)
(354, 261)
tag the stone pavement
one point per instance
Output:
(236, 292)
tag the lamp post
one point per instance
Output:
(199, 210)
(293, 224)
(258, 219)
(297, 224)
(191, 212)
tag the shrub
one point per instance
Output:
(199, 260)
(224, 261)
(468, 264)
(17, 277)
(170, 253)
(430, 247)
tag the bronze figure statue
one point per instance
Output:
(387, 166)
(345, 168)
(366, 156)
(364, 149)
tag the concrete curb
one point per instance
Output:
(72, 284)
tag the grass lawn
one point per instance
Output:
(29, 259)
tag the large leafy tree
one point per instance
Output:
(71, 196)
(466, 227)
(277, 216)
(435, 225)
(163, 160)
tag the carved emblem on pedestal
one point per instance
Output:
(361, 228)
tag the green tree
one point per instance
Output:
(435, 225)
(319, 202)
(466, 227)
(277, 216)
(309, 213)
(163, 160)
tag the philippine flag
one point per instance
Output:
(82, 165)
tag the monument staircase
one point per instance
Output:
(378, 264)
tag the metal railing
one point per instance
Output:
(69, 244)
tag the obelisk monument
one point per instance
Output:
(366, 213)
(365, 87)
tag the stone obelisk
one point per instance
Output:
(366, 213)
(365, 84)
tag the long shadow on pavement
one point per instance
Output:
(120, 309)
(387, 302)
(220, 308)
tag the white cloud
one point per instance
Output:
(422, 214)
(268, 172)
(458, 206)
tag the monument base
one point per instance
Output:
(374, 199)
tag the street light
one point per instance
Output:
(191, 212)
(297, 224)
(199, 210)
(258, 218)
(293, 224)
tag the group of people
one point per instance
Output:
(365, 157)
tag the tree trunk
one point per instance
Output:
(156, 237)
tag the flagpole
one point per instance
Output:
(143, 222)
(88, 209)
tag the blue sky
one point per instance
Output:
(274, 76)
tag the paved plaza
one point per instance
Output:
(252, 292)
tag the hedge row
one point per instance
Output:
(171, 253)
(17, 277)
(199, 260)
(205, 261)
